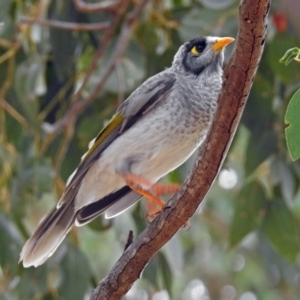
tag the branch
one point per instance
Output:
(96, 7)
(65, 25)
(78, 106)
(238, 78)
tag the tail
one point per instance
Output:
(53, 229)
(48, 236)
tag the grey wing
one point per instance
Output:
(143, 99)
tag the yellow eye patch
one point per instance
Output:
(195, 51)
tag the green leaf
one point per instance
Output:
(76, 274)
(33, 282)
(261, 146)
(128, 72)
(291, 54)
(63, 42)
(292, 132)
(263, 139)
(281, 229)
(26, 85)
(204, 21)
(174, 249)
(216, 4)
(166, 272)
(10, 241)
(150, 272)
(250, 208)
(274, 51)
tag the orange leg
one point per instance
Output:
(163, 189)
(142, 186)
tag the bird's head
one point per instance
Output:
(199, 54)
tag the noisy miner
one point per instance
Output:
(153, 132)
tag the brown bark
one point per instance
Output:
(238, 78)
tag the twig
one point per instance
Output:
(65, 25)
(238, 78)
(6, 44)
(129, 240)
(94, 7)
(6, 106)
(121, 83)
(68, 134)
(79, 106)
(9, 53)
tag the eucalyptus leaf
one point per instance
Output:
(281, 227)
(291, 54)
(274, 51)
(293, 121)
(128, 72)
(76, 274)
(249, 212)
(165, 270)
(10, 237)
(26, 83)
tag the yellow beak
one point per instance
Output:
(221, 43)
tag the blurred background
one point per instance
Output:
(244, 239)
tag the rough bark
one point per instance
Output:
(238, 78)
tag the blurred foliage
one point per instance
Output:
(291, 132)
(244, 239)
(292, 116)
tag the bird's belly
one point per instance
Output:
(166, 159)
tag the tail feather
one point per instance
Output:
(48, 236)
(53, 229)
(113, 204)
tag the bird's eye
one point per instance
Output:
(196, 50)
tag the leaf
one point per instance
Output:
(291, 54)
(261, 146)
(33, 178)
(174, 249)
(10, 241)
(216, 4)
(274, 51)
(26, 83)
(64, 43)
(150, 272)
(33, 282)
(76, 274)
(129, 71)
(281, 229)
(166, 272)
(206, 21)
(287, 182)
(249, 210)
(292, 132)
(263, 138)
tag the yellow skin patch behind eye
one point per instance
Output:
(195, 51)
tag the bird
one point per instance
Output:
(155, 130)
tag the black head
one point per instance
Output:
(199, 54)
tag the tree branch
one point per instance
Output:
(108, 5)
(65, 25)
(79, 105)
(238, 78)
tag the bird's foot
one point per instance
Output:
(144, 187)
